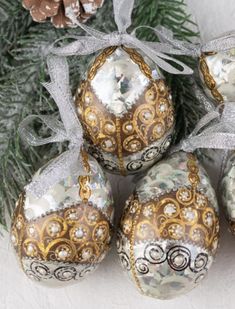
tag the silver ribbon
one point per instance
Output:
(223, 43)
(216, 130)
(96, 40)
(69, 130)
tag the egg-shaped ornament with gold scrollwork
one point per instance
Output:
(126, 110)
(64, 235)
(217, 69)
(169, 230)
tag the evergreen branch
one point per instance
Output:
(23, 69)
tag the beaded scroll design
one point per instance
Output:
(208, 78)
(148, 121)
(184, 215)
(79, 233)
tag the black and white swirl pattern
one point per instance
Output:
(65, 273)
(200, 276)
(109, 165)
(179, 258)
(165, 145)
(87, 270)
(150, 154)
(199, 263)
(39, 271)
(125, 260)
(154, 254)
(134, 165)
(119, 242)
(141, 266)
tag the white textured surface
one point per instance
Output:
(109, 287)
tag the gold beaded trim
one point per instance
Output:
(132, 253)
(146, 123)
(80, 233)
(99, 61)
(84, 190)
(184, 214)
(119, 145)
(209, 80)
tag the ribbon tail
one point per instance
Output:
(30, 136)
(60, 91)
(122, 14)
(81, 47)
(225, 42)
(160, 58)
(209, 141)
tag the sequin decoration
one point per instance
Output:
(217, 70)
(227, 189)
(168, 235)
(126, 111)
(66, 233)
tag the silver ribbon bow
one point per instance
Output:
(220, 44)
(96, 40)
(215, 130)
(69, 129)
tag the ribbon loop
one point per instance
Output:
(70, 129)
(30, 136)
(122, 14)
(215, 130)
(96, 40)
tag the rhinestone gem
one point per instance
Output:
(163, 107)
(73, 216)
(63, 254)
(179, 260)
(189, 214)
(54, 228)
(31, 230)
(110, 128)
(79, 233)
(147, 115)
(86, 254)
(159, 128)
(100, 232)
(91, 117)
(170, 209)
(87, 99)
(108, 143)
(30, 248)
(129, 127)
(42, 271)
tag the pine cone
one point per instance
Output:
(57, 10)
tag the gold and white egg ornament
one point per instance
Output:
(64, 235)
(126, 110)
(217, 72)
(169, 230)
(227, 189)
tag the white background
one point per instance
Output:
(108, 287)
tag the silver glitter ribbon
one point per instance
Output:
(70, 129)
(96, 40)
(223, 43)
(216, 130)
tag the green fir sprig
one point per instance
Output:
(22, 69)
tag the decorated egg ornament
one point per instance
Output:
(169, 231)
(64, 235)
(126, 110)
